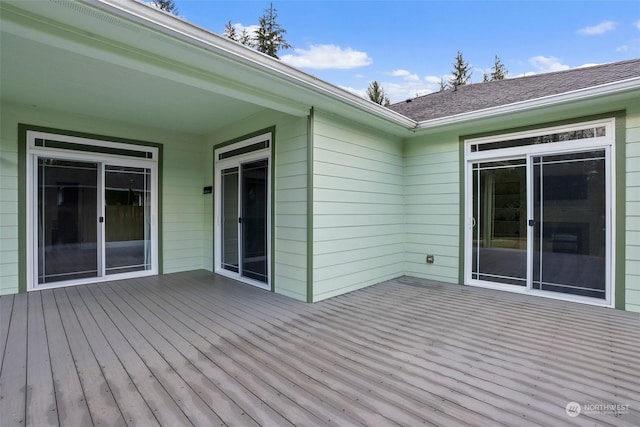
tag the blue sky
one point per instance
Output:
(408, 46)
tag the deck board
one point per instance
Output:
(104, 410)
(13, 378)
(41, 396)
(201, 354)
(6, 307)
(72, 409)
(198, 349)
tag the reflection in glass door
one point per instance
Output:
(67, 204)
(230, 219)
(127, 219)
(254, 220)
(570, 223)
(500, 231)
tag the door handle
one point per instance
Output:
(101, 219)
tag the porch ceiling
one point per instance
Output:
(121, 60)
(50, 77)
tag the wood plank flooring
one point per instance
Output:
(198, 349)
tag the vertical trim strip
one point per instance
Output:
(22, 207)
(310, 120)
(619, 174)
(272, 192)
(462, 176)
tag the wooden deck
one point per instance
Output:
(193, 348)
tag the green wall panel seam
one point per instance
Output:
(310, 296)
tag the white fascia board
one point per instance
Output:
(176, 27)
(607, 89)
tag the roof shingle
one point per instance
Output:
(478, 96)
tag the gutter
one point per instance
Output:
(173, 26)
(606, 89)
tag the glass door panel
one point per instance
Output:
(254, 220)
(67, 220)
(570, 228)
(499, 248)
(127, 222)
(230, 217)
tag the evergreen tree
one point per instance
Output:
(269, 37)
(443, 84)
(375, 92)
(230, 32)
(499, 70)
(461, 71)
(244, 37)
(166, 5)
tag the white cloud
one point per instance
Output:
(601, 28)
(547, 64)
(633, 45)
(406, 75)
(327, 56)
(637, 24)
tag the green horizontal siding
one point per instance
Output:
(290, 275)
(290, 196)
(357, 206)
(432, 207)
(632, 236)
(9, 251)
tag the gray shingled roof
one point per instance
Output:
(478, 96)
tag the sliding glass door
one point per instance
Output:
(67, 220)
(254, 193)
(540, 214)
(127, 219)
(570, 223)
(93, 220)
(242, 206)
(500, 213)
(91, 206)
(244, 220)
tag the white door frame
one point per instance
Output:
(527, 152)
(34, 152)
(225, 159)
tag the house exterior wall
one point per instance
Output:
(632, 226)
(432, 194)
(290, 190)
(8, 203)
(358, 213)
(182, 205)
(432, 203)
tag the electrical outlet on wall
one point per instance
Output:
(430, 259)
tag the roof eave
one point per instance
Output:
(608, 89)
(187, 32)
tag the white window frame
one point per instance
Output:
(527, 152)
(238, 160)
(34, 152)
